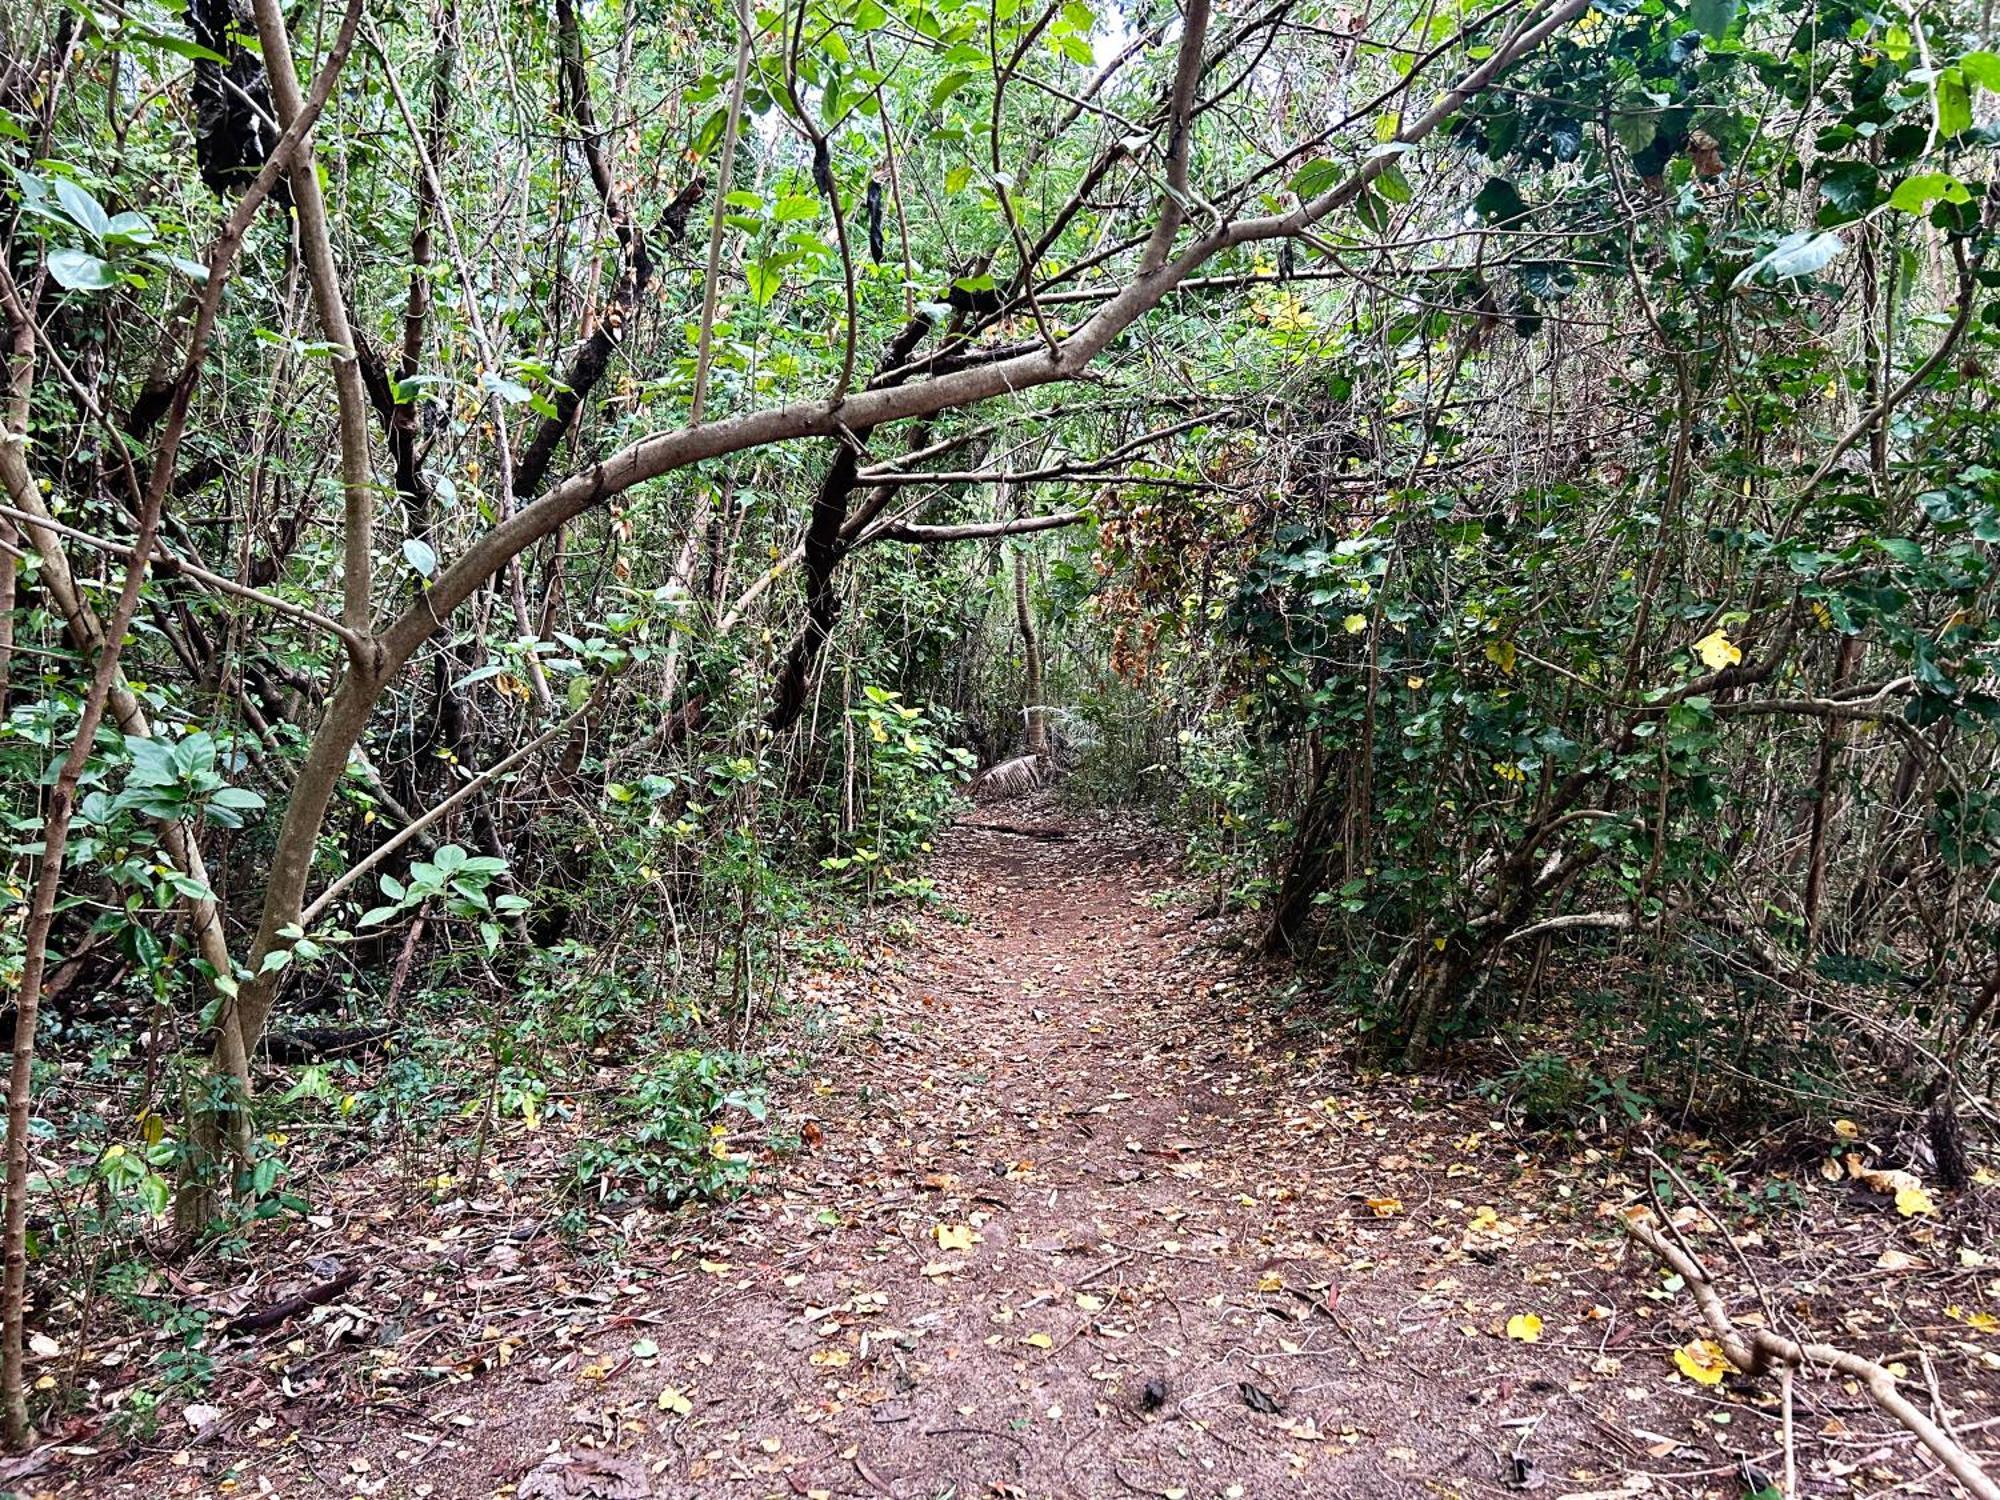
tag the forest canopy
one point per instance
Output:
(520, 520)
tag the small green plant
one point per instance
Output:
(1551, 1093)
(667, 1141)
(462, 881)
(179, 1366)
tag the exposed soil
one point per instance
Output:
(1075, 1219)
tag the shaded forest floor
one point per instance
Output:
(1076, 1218)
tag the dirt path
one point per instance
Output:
(1078, 1223)
(1156, 1225)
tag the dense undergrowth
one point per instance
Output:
(1528, 526)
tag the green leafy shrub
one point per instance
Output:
(666, 1141)
(909, 779)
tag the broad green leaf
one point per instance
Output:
(1954, 103)
(1982, 68)
(948, 85)
(84, 210)
(764, 278)
(1917, 192)
(1635, 129)
(421, 557)
(1499, 202)
(1314, 178)
(80, 271)
(1712, 18)
(130, 229)
(1852, 187)
(511, 391)
(1801, 253)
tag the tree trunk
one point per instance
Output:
(48, 887)
(1033, 709)
(1833, 740)
(1306, 865)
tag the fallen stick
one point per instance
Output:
(291, 1307)
(1756, 1350)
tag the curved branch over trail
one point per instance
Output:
(849, 418)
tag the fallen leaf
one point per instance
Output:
(1985, 1322)
(1258, 1399)
(1527, 1327)
(1702, 1361)
(586, 1476)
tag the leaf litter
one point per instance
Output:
(1079, 1213)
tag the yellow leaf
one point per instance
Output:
(1088, 1303)
(1911, 1201)
(1847, 1130)
(1702, 1361)
(1526, 1327)
(672, 1400)
(1501, 654)
(1985, 1322)
(1717, 651)
(953, 1236)
(1039, 1341)
(1270, 1281)
(1355, 624)
(1385, 1208)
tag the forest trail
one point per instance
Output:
(1165, 1220)
(1076, 1217)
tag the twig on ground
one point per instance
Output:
(1756, 1350)
(291, 1307)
